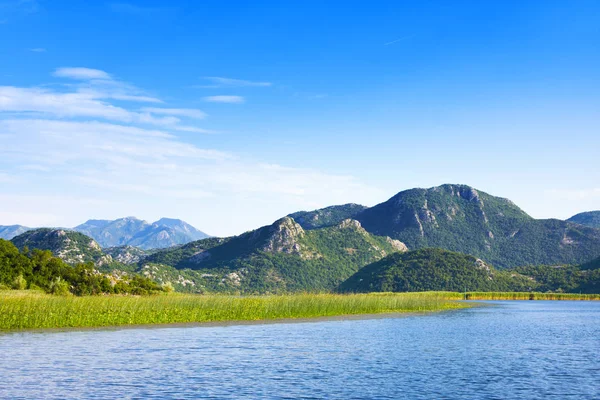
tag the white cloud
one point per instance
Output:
(193, 129)
(224, 99)
(81, 73)
(180, 112)
(82, 103)
(99, 160)
(38, 50)
(220, 82)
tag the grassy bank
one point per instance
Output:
(527, 296)
(34, 310)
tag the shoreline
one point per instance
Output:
(36, 312)
(218, 324)
(27, 312)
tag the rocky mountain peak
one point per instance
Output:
(351, 224)
(283, 235)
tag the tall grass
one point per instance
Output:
(527, 296)
(33, 310)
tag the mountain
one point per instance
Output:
(276, 258)
(131, 231)
(589, 218)
(10, 231)
(437, 269)
(325, 217)
(70, 246)
(432, 269)
(461, 218)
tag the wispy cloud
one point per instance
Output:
(38, 50)
(180, 112)
(92, 97)
(220, 82)
(224, 99)
(398, 40)
(71, 104)
(135, 162)
(81, 73)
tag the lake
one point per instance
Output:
(508, 350)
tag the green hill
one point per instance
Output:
(276, 258)
(39, 269)
(325, 217)
(437, 269)
(432, 269)
(70, 246)
(460, 218)
(589, 218)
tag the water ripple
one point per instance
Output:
(518, 350)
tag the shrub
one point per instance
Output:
(60, 287)
(168, 287)
(19, 283)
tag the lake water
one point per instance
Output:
(511, 350)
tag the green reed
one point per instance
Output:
(527, 296)
(33, 310)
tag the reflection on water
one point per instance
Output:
(513, 350)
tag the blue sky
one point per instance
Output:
(230, 114)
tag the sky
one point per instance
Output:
(231, 114)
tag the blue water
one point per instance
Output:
(511, 350)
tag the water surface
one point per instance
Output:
(511, 350)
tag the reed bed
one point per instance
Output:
(35, 310)
(527, 296)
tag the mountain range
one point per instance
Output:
(463, 219)
(129, 231)
(319, 250)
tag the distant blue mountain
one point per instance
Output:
(131, 231)
(10, 231)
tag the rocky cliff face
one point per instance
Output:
(126, 254)
(283, 237)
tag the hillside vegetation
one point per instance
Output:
(39, 269)
(278, 258)
(463, 219)
(437, 269)
(589, 218)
